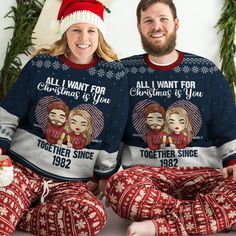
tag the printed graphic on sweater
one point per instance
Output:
(77, 90)
(166, 89)
(76, 127)
(173, 127)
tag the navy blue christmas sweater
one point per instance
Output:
(65, 121)
(181, 115)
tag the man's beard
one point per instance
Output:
(159, 50)
(56, 123)
(155, 128)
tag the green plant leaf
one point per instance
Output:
(24, 15)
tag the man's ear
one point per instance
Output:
(138, 26)
(176, 23)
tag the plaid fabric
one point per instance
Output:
(180, 201)
(69, 208)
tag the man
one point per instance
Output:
(58, 113)
(176, 191)
(155, 118)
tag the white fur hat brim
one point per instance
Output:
(81, 17)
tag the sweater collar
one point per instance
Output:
(164, 67)
(78, 66)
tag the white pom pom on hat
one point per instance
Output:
(55, 26)
(79, 11)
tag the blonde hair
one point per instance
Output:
(61, 47)
(89, 130)
(182, 112)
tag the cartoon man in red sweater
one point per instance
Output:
(58, 113)
(154, 115)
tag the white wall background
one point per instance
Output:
(197, 33)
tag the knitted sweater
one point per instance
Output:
(65, 121)
(181, 115)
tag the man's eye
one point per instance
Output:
(163, 19)
(148, 21)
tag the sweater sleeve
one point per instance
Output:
(107, 163)
(13, 107)
(223, 122)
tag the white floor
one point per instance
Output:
(116, 227)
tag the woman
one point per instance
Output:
(178, 127)
(49, 194)
(79, 129)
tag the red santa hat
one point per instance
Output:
(80, 11)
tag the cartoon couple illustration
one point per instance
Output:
(167, 128)
(73, 128)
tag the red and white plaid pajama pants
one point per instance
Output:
(179, 201)
(69, 208)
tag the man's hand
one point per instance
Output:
(229, 170)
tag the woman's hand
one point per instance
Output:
(98, 189)
(93, 187)
(6, 170)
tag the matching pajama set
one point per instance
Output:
(181, 131)
(61, 124)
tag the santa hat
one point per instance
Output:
(80, 11)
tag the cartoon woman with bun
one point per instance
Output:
(79, 129)
(178, 127)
